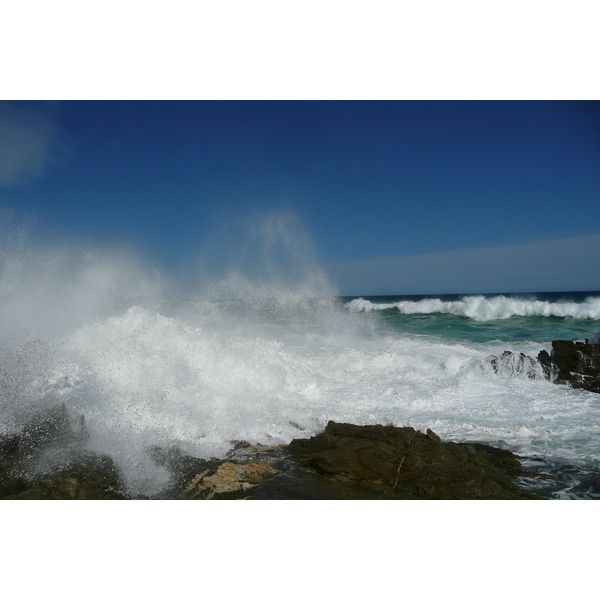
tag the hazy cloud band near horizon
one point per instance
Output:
(524, 267)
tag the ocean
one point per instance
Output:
(449, 385)
(201, 374)
(269, 351)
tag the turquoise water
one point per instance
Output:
(488, 323)
(553, 427)
(515, 329)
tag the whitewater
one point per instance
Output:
(482, 308)
(272, 353)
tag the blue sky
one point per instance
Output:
(396, 196)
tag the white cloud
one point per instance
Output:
(27, 144)
(551, 265)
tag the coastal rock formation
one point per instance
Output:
(511, 363)
(574, 363)
(243, 467)
(45, 460)
(352, 462)
(78, 487)
(229, 478)
(384, 462)
(43, 429)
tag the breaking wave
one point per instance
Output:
(481, 308)
(265, 353)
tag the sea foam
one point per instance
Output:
(265, 354)
(481, 308)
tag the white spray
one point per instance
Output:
(264, 353)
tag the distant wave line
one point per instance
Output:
(480, 308)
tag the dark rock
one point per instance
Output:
(97, 470)
(230, 479)
(433, 436)
(46, 460)
(43, 429)
(67, 488)
(546, 363)
(511, 363)
(182, 466)
(83, 476)
(573, 363)
(227, 478)
(385, 462)
(12, 487)
(178, 462)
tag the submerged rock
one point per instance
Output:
(573, 363)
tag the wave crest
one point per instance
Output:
(480, 308)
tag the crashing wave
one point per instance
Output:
(480, 308)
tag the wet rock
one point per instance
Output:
(97, 470)
(43, 429)
(228, 479)
(12, 486)
(67, 488)
(546, 363)
(511, 363)
(243, 466)
(182, 466)
(384, 462)
(46, 460)
(69, 475)
(243, 450)
(361, 462)
(573, 363)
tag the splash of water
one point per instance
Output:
(254, 354)
(51, 287)
(99, 330)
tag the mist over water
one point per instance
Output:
(50, 287)
(149, 359)
(255, 345)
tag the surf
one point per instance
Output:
(261, 350)
(482, 308)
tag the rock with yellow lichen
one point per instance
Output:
(229, 478)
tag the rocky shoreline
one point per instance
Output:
(573, 363)
(48, 458)
(576, 364)
(345, 461)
